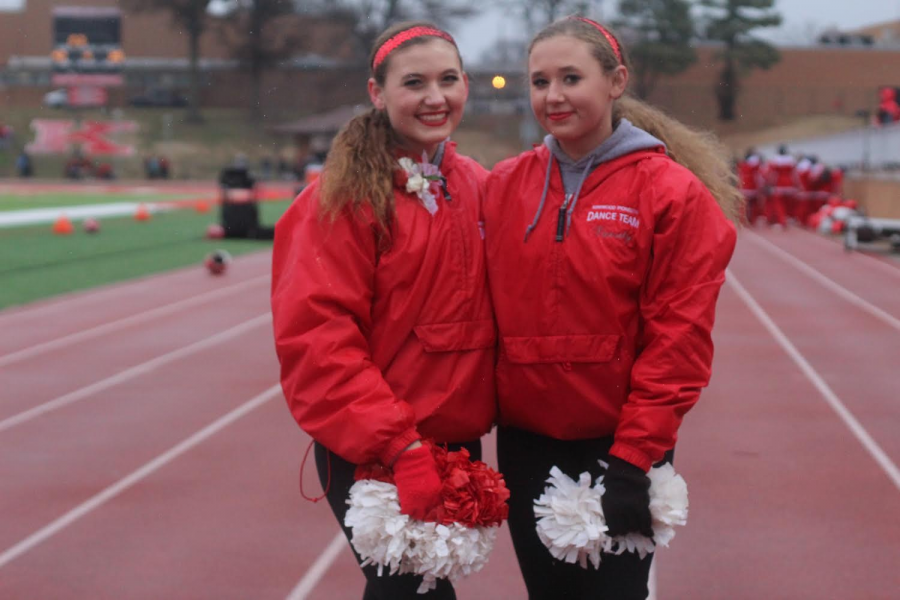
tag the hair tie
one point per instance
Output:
(612, 41)
(404, 36)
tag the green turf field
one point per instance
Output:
(35, 263)
(51, 200)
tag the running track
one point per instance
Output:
(146, 452)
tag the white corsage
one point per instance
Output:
(456, 544)
(419, 180)
(571, 524)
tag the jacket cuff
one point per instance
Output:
(631, 455)
(398, 445)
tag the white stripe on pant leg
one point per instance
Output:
(651, 584)
(319, 568)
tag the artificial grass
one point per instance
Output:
(51, 200)
(38, 264)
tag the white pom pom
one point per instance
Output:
(571, 524)
(570, 518)
(384, 537)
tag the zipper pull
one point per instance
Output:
(561, 221)
(444, 188)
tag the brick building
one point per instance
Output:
(157, 51)
(807, 81)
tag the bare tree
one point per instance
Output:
(193, 17)
(256, 39)
(536, 14)
(371, 17)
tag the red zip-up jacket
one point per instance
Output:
(606, 332)
(380, 347)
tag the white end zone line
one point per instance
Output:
(130, 373)
(126, 482)
(319, 568)
(830, 397)
(828, 283)
(67, 340)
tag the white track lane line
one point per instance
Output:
(315, 573)
(131, 373)
(895, 271)
(43, 309)
(126, 482)
(651, 584)
(154, 313)
(830, 397)
(826, 282)
(319, 568)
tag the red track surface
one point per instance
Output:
(786, 501)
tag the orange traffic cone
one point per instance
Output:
(202, 206)
(62, 225)
(141, 214)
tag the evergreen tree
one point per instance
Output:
(731, 22)
(658, 34)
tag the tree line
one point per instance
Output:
(660, 34)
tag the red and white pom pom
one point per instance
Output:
(570, 519)
(571, 524)
(217, 262)
(91, 225)
(392, 541)
(215, 232)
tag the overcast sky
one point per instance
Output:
(802, 18)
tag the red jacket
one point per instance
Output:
(782, 174)
(749, 174)
(608, 331)
(379, 347)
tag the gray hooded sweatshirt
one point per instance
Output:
(625, 139)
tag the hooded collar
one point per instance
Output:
(625, 139)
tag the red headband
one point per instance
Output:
(403, 37)
(612, 41)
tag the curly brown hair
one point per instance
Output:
(698, 151)
(360, 165)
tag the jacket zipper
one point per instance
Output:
(446, 191)
(561, 220)
(459, 227)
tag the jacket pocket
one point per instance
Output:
(561, 348)
(453, 337)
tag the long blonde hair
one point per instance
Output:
(698, 151)
(360, 166)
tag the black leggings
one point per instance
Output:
(525, 460)
(386, 587)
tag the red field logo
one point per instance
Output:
(54, 136)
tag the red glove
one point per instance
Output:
(418, 482)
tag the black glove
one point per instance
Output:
(626, 502)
